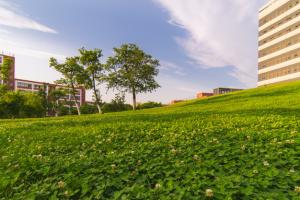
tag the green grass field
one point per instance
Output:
(244, 145)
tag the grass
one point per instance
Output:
(244, 145)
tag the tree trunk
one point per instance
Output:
(77, 105)
(134, 99)
(97, 98)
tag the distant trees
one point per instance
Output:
(129, 70)
(149, 104)
(132, 70)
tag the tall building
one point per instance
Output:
(11, 73)
(279, 42)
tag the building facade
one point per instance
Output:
(279, 42)
(219, 91)
(202, 95)
(11, 74)
(33, 86)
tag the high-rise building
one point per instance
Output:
(279, 42)
(11, 73)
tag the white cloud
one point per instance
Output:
(23, 49)
(220, 33)
(11, 16)
(172, 68)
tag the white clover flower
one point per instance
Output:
(113, 166)
(297, 189)
(139, 162)
(157, 186)
(292, 170)
(61, 184)
(266, 163)
(290, 141)
(243, 147)
(196, 157)
(174, 151)
(81, 156)
(66, 193)
(255, 171)
(209, 193)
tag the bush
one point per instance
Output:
(20, 105)
(88, 109)
(112, 107)
(149, 104)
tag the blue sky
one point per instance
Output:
(202, 44)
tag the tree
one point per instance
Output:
(132, 70)
(73, 74)
(5, 68)
(42, 93)
(94, 71)
(20, 104)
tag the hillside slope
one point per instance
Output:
(244, 145)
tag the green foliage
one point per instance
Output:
(88, 109)
(117, 104)
(56, 104)
(73, 75)
(243, 145)
(5, 68)
(132, 70)
(148, 105)
(94, 71)
(20, 105)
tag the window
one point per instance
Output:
(24, 85)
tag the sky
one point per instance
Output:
(201, 44)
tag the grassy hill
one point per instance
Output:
(244, 145)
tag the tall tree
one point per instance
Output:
(73, 75)
(132, 70)
(94, 70)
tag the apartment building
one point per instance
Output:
(34, 86)
(11, 75)
(279, 42)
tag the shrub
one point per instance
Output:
(149, 104)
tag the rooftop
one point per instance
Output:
(267, 5)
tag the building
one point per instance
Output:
(33, 86)
(202, 95)
(219, 91)
(279, 42)
(176, 101)
(11, 74)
